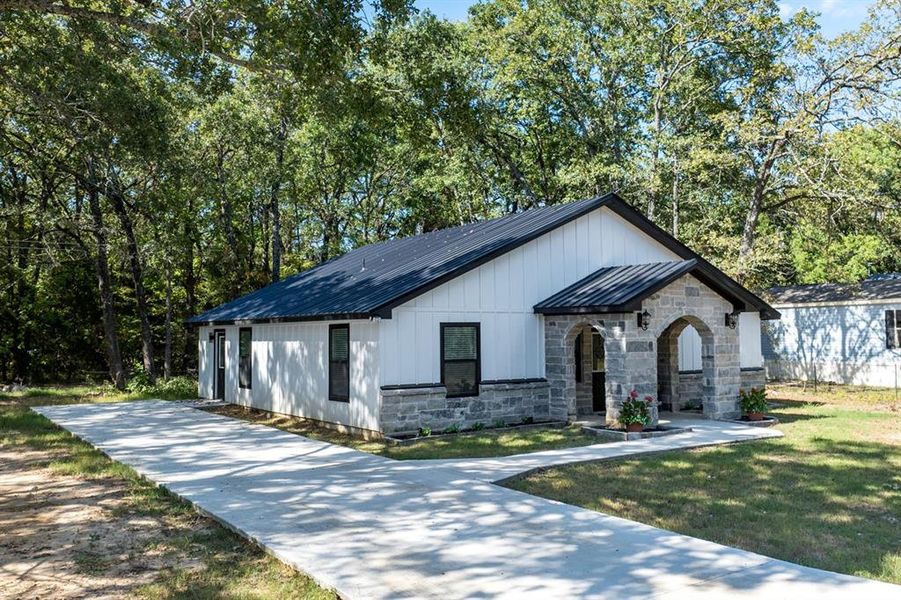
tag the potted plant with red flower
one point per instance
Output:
(753, 403)
(634, 413)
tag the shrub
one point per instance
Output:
(528, 420)
(173, 388)
(498, 423)
(479, 426)
(753, 400)
(635, 410)
(452, 429)
(425, 431)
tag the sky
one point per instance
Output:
(836, 16)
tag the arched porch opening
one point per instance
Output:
(691, 389)
(587, 388)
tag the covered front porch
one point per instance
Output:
(618, 330)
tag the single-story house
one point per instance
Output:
(550, 313)
(844, 333)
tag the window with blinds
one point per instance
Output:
(892, 329)
(339, 363)
(245, 357)
(460, 358)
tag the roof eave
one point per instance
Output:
(287, 319)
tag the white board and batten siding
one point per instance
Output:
(750, 354)
(290, 371)
(500, 295)
(842, 342)
(290, 365)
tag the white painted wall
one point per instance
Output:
(204, 363)
(749, 344)
(290, 371)
(500, 295)
(290, 367)
(844, 342)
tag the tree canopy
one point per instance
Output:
(158, 158)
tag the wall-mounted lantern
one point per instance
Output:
(644, 319)
(731, 320)
(212, 337)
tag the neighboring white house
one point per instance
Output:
(546, 314)
(844, 333)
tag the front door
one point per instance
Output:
(598, 374)
(219, 364)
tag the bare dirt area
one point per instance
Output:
(67, 537)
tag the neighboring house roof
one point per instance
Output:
(869, 289)
(614, 289)
(370, 281)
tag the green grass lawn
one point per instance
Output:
(826, 495)
(465, 445)
(222, 564)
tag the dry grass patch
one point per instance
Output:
(79, 525)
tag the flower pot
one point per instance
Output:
(755, 416)
(634, 427)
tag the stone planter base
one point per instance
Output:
(767, 421)
(621, 435)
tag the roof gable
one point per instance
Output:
(371, 280)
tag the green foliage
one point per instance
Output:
(635, 410)
(452, 428)
(222, 158)
(753, 400)
(170, 388)
(478, 426)
(425, 431)
(819, 255)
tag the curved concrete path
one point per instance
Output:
(704, 432)
(372, 527)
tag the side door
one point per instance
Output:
(219, 364)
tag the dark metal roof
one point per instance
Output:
(614, 289)
(370, 281)
(870, 289)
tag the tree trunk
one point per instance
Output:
(167, 352)
(137, 276)
(675, 204)
(273, 205)
(226, 214)
(190, 286)
(117, 373)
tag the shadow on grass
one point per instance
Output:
(824, 505)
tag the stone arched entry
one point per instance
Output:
(677, 391)
(560, 336)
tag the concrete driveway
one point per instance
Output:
(372, 527)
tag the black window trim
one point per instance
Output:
(331, 395)
(249, 385)
(892, 328)
(478, 359)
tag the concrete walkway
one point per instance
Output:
(704, 432)
(372, 527)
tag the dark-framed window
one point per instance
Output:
(339, 363)
(461, 360)
(245, 357)
(578, 357)
(892, 329)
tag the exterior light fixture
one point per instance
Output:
(731, 320)
(212, 337)
(644, 319)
